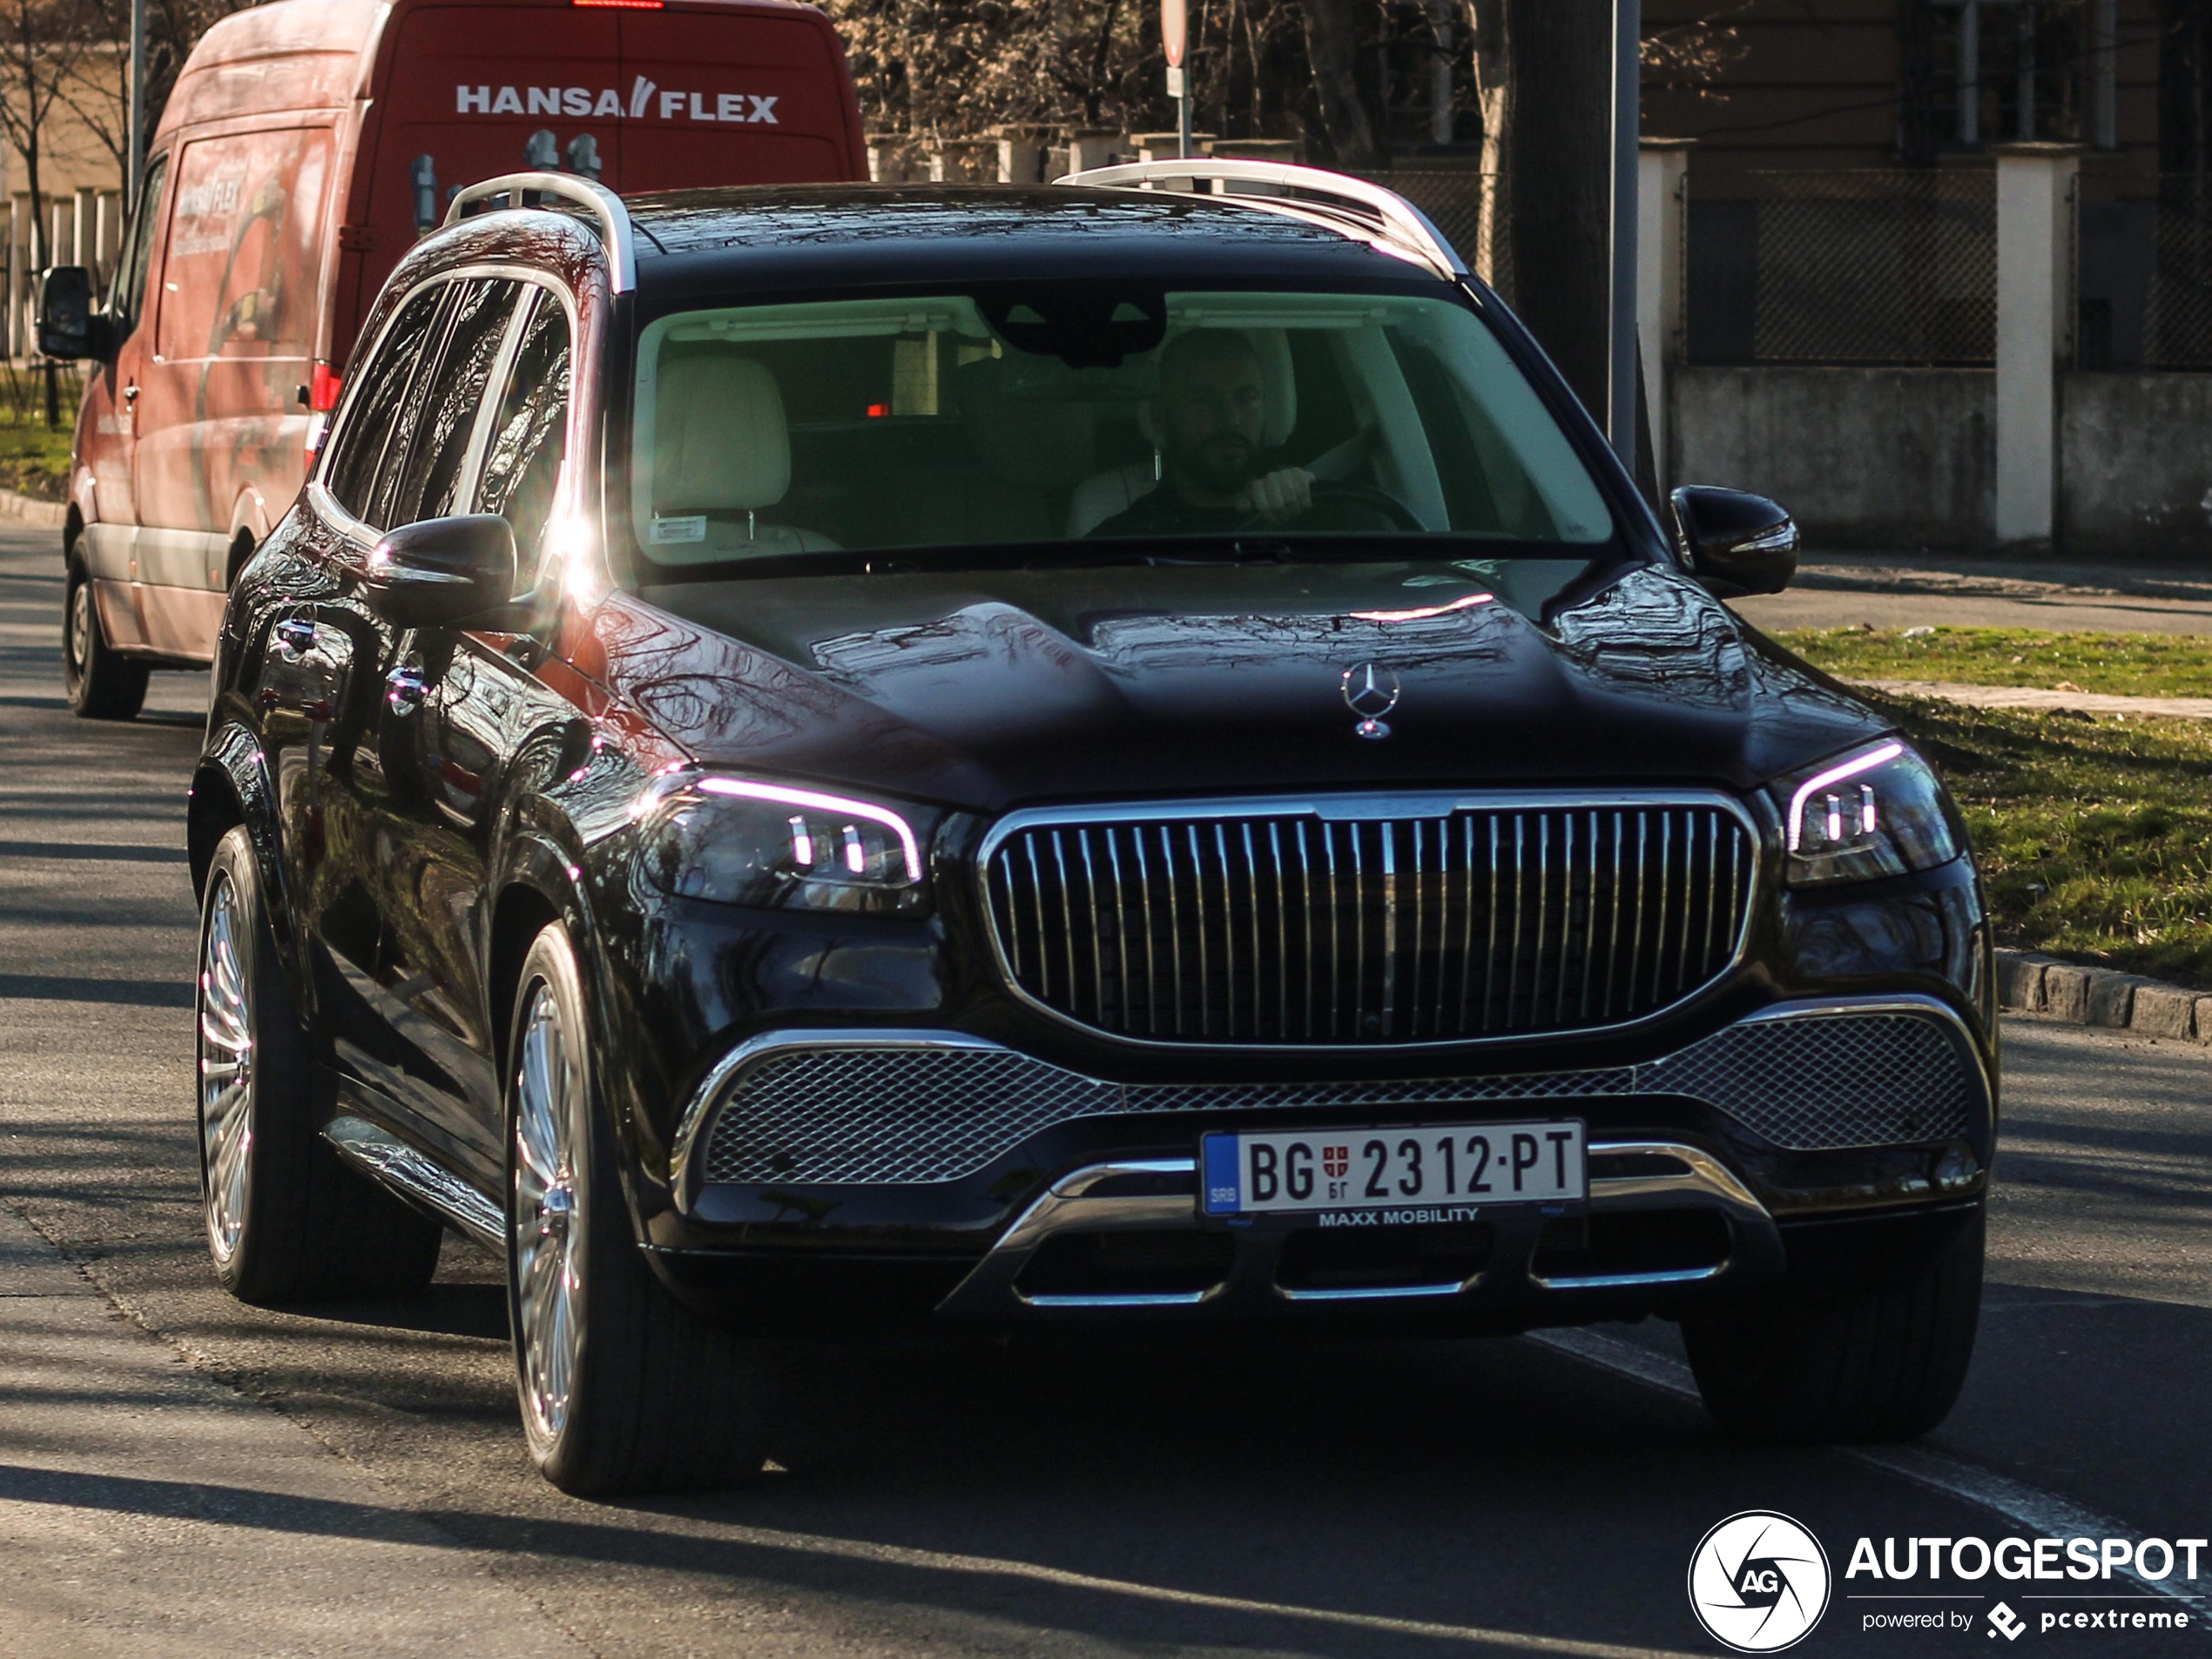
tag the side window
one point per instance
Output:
(126, 298)
(529, 437)
(238, 277)
(454, 395)
(372, 411)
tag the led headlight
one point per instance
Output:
(737, 841)
(1874, 813)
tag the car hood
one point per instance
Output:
(987, 690)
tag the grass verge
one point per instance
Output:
(34, 457)
(2094, 834)
(2116, 664)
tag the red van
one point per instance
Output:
(307, 146)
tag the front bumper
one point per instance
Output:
(985, 1177)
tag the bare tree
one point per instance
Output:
(98, 91)
(1544, 75)
(1332, 42)
(40, 43)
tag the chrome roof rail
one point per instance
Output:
(594, 198)
(1383, 213)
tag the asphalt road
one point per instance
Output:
(182, 1474)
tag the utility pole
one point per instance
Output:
(1621, 356)
(134, 148)
(1175, 37)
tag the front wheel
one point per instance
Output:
(287, 1221)
(623, 1389)
(100, 685)
(1884, 1365)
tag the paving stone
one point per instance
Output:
(2112, 997)
(2164, 1011)
(2066, 992)
(2020, 981)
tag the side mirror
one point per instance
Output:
(1735, 543)
(442, 570)
(69, 325)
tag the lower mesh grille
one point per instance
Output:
(900, 1113)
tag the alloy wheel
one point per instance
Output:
(225, 1068)
(80, 630)
(545, 1236)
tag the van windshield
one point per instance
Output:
(1080, 415)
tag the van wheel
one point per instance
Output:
(622, 1388)
(286, 1220)
(1886, 1365)
(101, 685)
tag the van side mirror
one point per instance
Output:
(442, 571)
(1735, 543)
(70, 326)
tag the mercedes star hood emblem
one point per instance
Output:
(1371, 690)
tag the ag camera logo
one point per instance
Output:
(1758, 1581)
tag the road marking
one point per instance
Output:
(2041, 1514)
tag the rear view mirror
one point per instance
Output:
(69, 327)
(442, 571)
(1735, 543)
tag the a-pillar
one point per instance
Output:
(2034, 331)
(1662, 165)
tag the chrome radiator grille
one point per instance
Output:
(1285, 926)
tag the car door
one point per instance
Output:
(457, 708)
(323, 687)
(113, 395)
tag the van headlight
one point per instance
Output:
(1878, 811)
(737, 841)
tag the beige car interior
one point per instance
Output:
(724, 463)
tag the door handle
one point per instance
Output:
(295, 636)
(404, 690)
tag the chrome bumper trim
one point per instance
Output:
(1665, 1073)
(990, 1289)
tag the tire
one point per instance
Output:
(1886, 1365)
(623, 1389)
(101, 685)
(286, 1220)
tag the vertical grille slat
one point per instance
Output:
(1282, 926)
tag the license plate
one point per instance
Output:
(1438, 1174)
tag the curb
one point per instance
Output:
(2029, 983)
(29, 509)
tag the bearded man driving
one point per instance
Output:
(1208, 416)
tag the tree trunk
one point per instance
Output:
(1545, 71)
(1332, 47)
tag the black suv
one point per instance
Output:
(850, 759)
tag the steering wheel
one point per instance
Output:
(1327, 495)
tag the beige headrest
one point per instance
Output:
(721, 441)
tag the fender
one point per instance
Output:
(532, 860)
(249, 518)
(231, 786)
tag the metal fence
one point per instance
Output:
(1896, 265)
(1456, 200)
(2143, 271)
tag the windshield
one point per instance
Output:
(1078, 415)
